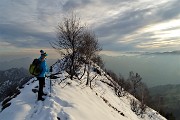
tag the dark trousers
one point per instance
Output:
(41, 84)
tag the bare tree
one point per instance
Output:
(69, 33)
(98, 60)
(77, 44)
(135, 81)
(89, 50)
(143, 94)
(134, 105)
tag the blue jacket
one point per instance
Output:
(44, 67)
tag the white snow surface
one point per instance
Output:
(74, 101)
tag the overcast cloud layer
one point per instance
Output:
(121, 25)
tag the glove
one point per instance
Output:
(53, 77)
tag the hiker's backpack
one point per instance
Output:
(35, 68)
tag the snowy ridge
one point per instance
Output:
(73, 100)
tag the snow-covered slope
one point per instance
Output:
(73, 100)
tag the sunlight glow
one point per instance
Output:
(168, 34)
(163, 26)
(156, 36)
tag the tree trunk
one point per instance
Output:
(88, 72)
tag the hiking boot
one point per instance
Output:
(44, 94)
(42, 99)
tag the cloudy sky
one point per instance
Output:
(120, 25)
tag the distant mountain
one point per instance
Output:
(11, 79)
(169, 96)
(177, 52)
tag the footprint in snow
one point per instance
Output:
(62, 102)
(63, 115)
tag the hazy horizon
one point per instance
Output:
(154, 69)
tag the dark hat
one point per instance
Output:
(43, 53)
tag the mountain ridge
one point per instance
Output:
(11, 79)
(73, 100)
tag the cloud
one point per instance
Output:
(27, 24)
(161, 36)
(74, 4)
(127, 30)
(5, 44)
(23, 36)
(169, 11)
(120, 25)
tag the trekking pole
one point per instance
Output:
(50, 80)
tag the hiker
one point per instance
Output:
(41, 77)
